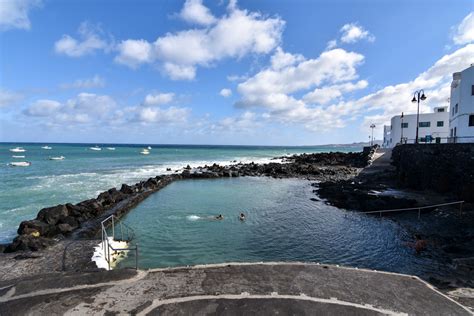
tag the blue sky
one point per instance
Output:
(223, 72)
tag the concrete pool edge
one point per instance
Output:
(147, 290)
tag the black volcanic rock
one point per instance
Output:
(52, 215)
(29, 227)
(28, 242)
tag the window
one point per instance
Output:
(440, 123)
(424, 124)
(472, 90)
(404, 125)
(471, 120)
(456, 108)
(440, 110)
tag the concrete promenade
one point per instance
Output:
(227, 289)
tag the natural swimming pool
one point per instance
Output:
(174, 227)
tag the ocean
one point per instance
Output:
(84, 173)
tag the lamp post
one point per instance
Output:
(372, 127)
(401, 137)
(417, 97)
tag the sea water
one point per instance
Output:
(176, 226)
(84, 173)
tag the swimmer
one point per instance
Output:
(242, 216)
(419, 245)
(219, 217)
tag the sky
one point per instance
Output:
(255, 72)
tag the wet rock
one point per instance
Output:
(28, 242)
(65, 228)
(29, 227)
(52, 215)
(126, 189)
(71, 221)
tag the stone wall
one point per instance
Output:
(443, 168)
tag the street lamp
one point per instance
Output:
(417, 97)
(372, 127)
(401, 137)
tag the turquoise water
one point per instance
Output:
(84, 172)
(174, 227)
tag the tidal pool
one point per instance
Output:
(175, 227)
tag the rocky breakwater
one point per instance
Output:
(365, 191)
(317, 166)
(82, 219)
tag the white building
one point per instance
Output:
(461, 116)
(386, 136)
(431, 126)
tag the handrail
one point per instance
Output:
(419, 208)
(130, 234)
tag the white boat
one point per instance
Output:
(15, 156)
(111, 148)
(57, 158)
(17, 150)
(20, 164)
(149, 147)
(96, 148)
(145, 152)
(46, 147)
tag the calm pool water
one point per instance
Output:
(174, 227)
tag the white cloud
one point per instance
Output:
(331, 44)
(313, 93)
(43, 108)
(194, 11)
(270, 86)
(97, 106)
(158, 99)
(464, 33)
(354, 32)
(14, 14)
(133, 53)
(394, 99)
(281, 59)
(234, 35)
(84, 108)
(236, 78)
(88, 83)
(276, 88)
(225, 92)
(90, 40)
(179, 72)
(8, 98)
(171, 115)
(331, 93)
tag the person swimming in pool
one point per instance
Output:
(219, 217)
(242, 216)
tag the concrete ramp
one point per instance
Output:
(230, 289)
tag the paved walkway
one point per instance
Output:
(227, 289)
(382, 161)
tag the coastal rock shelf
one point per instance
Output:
(82, 220)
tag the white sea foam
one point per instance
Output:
(99, 255)
(193, 217)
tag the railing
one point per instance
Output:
(433, 139)
(416, 208)
(107, 247)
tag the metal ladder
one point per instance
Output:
(126, 234)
